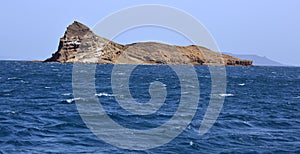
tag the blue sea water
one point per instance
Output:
(38, 113)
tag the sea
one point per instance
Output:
(39, 112)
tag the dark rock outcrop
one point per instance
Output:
(80, 44)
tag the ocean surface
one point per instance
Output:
(38, 112)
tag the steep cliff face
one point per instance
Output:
(80, 44)
(69, 43)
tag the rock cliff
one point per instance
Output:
(80, 44)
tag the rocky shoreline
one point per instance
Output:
(80, 45)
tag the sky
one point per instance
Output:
(30, 30)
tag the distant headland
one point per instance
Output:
(80, 45)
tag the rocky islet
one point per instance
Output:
(80, 45)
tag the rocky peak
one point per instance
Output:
(76, 29)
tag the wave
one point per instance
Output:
(71, 100)
(9, 112)
(191, 143)
(13, 78)
(55, 69)
(22, 81)
(164, 85)
(8, 90)
(226, 95)
(67, 94)
(104, 94)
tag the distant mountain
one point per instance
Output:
(257, 60)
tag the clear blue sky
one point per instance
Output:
(31, 29)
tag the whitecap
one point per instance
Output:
(38, 128)
(55, 69)
(242, 84)
(71, 100)
(9, 112)
(191, 143)
(104, 94)
(24, 81)
(186, 93)
(164, 85)
(8, 90)
(226, 95)
(205, 76)
(67, 94)
(177, 127)
(47, 87)
(191, 86)
(13, 78)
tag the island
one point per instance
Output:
(80, 45)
